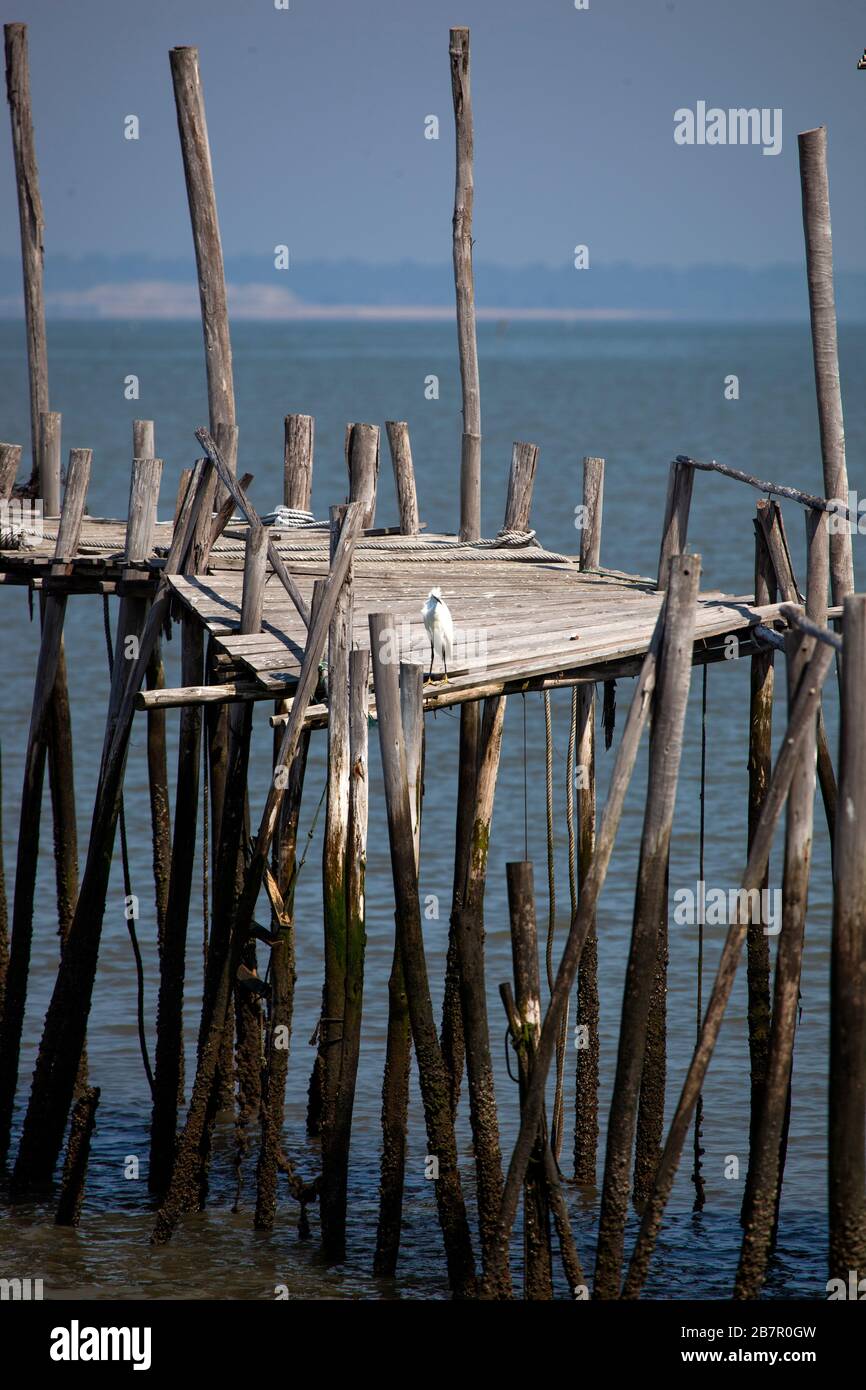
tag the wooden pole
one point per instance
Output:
(169, 1058)
(81, 1129)
(470, 944)
(588, 1020)
(38, 738)
(144, 447)
(815, 189)
(538, 1270)
(669, 710)
(66, 1020)
(299, 439)
(676, 523)
(299, 436)
(10, 461)
(49, 461)
(192, 128)
(334, 877)
(766, 1165)
(362, 463)
(847, 1159)
(355, 918)
(802, 715)
(248, 1007)
(464, 196)
(398, 1047)
(521, 479)
(580, 923)
(770, 518)
(432, 1075)
(762, 683)
(32, 225)
(404, 476)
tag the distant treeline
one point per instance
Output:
(696, 292)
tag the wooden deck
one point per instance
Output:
(521, 613)
(516, 617)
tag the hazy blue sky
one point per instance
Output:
(316, 123)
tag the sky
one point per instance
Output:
(316, 117)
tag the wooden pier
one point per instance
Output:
(323, 619)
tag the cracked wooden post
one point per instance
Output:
(38, 739)
(676, 523)
(583, 713)
(669, 709)
(404, 476)
(431, 1070)
(538, 1269)
(398, 1046)
(815, 188)
(66, 1020)
(10, 461)
(192, 128)
(335, 901)
(362, 464)
(847, 1159)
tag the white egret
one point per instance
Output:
(440, 629)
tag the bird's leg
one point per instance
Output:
(432, 655)
(445, 664)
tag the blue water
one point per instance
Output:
(634, 394)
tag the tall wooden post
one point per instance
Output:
(538, 1272)
(32, 225)
(334, 879)
(815, 188)
(847, 1152)
(431, 1070)
(169, 1071)
(192, 127)
(762, 681)
(398, 1048)
(766, 1162)
(669, 709)
(464, 196)
(583, 714)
